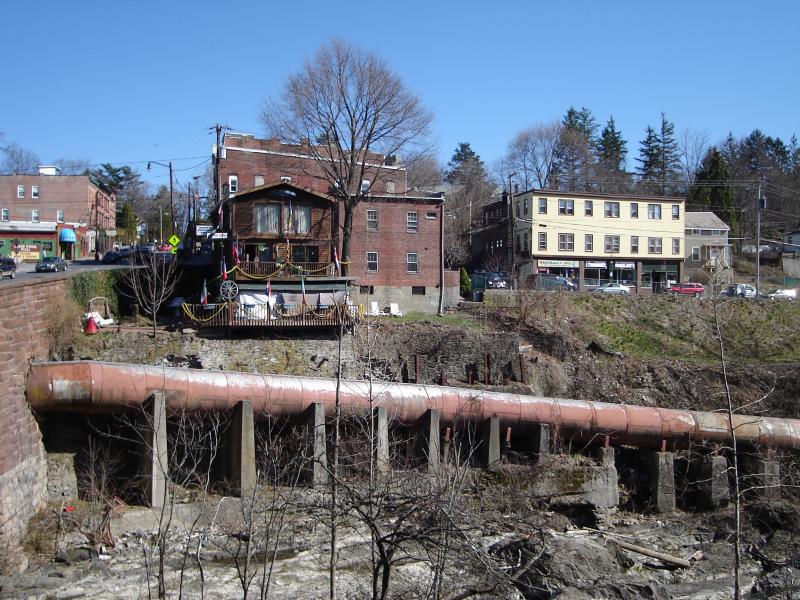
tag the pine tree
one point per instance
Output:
(575, 157)
(713, 190)
(129, 223)
(669, 158)
(611, 151)
(648, 156)
(463, 155)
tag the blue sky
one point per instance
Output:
(128, 82)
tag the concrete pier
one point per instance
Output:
(661, 470)
(713, 488)
(490, 443)
(428, 440)
(541, 441)
(381, 442)
(154, 458)
(241, 449)
(316, 449)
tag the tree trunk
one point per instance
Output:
(347, 230)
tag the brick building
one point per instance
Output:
(396, 238)
(55, 214)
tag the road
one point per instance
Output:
(26, 271)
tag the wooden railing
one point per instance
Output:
(233, 315)
(265, 270)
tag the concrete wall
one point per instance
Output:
(24, 310)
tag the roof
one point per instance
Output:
(704, 220)
(277, 184)
(567, 194)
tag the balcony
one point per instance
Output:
(262, 271)
(232, 315)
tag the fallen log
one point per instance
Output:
(665, 558)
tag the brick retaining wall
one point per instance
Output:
(24, 307)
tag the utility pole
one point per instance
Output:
(171, 203)
(761, 203)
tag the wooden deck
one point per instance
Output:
(231, 315)
(275, 270)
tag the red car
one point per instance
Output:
(687, 289)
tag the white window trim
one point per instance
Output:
(231, 180)
(20, 191)
(695, 251)
(5, 214)
(408, 262)
(35, 218)
(377, 264)
(35, 192)
(59, 216)
(412, 226)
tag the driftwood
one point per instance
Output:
(665, 558)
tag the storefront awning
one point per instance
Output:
(67, 236)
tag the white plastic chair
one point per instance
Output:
(394, 309)
(373, 310)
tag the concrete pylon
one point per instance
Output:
(661, 468)
(242, 449)
(713, 487)
(541, 441)
(490, 443)
(154, 463)
(380, 426)
(316, 450)
(429, 439)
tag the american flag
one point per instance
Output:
(204, 294)
(336, 260)
(224, 274)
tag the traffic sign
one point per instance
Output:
(174, 240)
(220, 235)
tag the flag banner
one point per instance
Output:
(224, 273)
(336, 260)
(235, 252)
(303, 288)
(204, 294)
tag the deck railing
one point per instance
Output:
(276, 270)
(234, 315)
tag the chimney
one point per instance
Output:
(48, 170)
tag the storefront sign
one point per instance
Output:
(28, 252)
(595, 264)
(625, 265)
(564, 264)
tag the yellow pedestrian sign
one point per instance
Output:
(174, 241)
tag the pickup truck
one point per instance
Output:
(687, 289)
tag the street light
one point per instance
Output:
(171, 205)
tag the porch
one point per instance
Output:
(232, 315)
(262, 271)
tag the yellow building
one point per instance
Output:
(596, 238)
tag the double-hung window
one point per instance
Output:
(267, 218)
(542, 241)
(35, 192)
(297, 219)
(676, 212)
(59, 216)
(654, 211)
(372, 219)
(372, 262)
(588, 208)
(589, 242)
(654, 245)
(634, 210)
(5, 215)
(542, 206)
(566, 207)
(20, 191)
(634, 244)
(412, 262)
(233, 183)
(412, 221)
(612, 243)
(35, 215)
(566, 242)
(611, 210)
(676, 245)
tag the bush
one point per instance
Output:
(465, 285)
(89, 285)
(63, 327)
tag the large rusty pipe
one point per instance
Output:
(87, 386)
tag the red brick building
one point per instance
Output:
(55, 214)
(396, 239)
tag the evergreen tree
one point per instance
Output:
(611, 151)
(669, 157)
(575, 157)
(712, 189)
(128, 223)
(463, 156)
(648, 156)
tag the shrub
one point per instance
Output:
(465, 285)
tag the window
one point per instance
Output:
(519, 209)
(612, 243)
(676, 245)
(588, 208)
(634, 244)
(20, 191)
(634, 210)
(297, 219)
(526, 244)
(566, 241)
(430, 215)
(612, 209)
(589, 242)
(412, 262)
(566, 207)
(676, 212)
(654, 211)
(5, 214)
(366, 290)
(258, 180)
(542, 241)
(372, 262)
(390, 187)
(542, 206)
(267, 218)
(372, 219)
(233, 184)
(412, 221)
(304, 254)
(716, 232)
(286, 179)
(517, 245)
(654, 245)
(59, 216)
(696, 254)
(525, 207)
(365, 186)
(47, 246)
(35, 215)
(417, 290)
(34, 191)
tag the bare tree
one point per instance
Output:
(694, 145)
(532, 154)
(153, 283)
(19, 160)
(424, 173)
(349, 113)
(72, 166)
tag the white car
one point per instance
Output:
(614, 288)
(740, 290)
(782, 295)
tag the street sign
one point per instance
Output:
(220, 235)
(174, 250)
(174, 240)
(203, 230)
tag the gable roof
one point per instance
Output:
(704, 220)
(280, 184)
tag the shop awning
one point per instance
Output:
(67, 236)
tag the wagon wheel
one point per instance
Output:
(228, 290)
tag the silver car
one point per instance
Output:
(614, 288)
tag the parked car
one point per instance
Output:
(613, 288)
(488, 280)
(8, 268)
(51, 264)
(740, 290)
(687, 289)
(550, 283)
(782, 295)
(110, 257)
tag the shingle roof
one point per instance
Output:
(704, 220)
